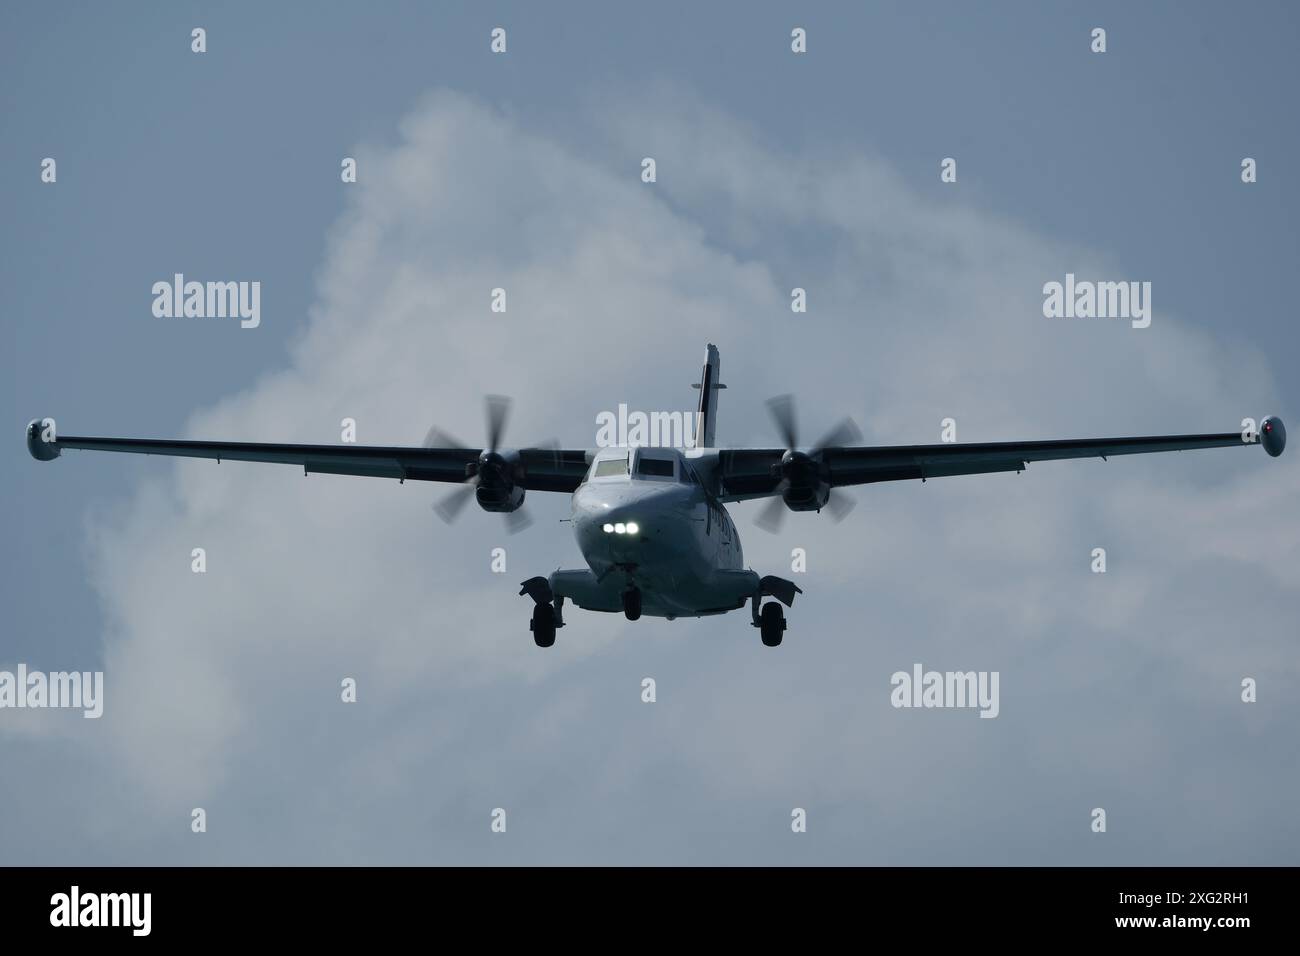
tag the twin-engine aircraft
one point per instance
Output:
(651, 521)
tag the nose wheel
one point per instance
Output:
(632, 604)
(771, 623)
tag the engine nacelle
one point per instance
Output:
(497, 488)
(41, 441)
(1272, 435)
(499, 497)
(807, 497)
(806, 487)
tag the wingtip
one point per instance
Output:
(40, 439)
(1272, 435)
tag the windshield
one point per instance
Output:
(654, 467)
(610, 467)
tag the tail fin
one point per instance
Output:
(708, 385)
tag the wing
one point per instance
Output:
(542, 469)
(753, 473)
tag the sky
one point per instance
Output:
(774, 170)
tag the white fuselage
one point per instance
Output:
(684, 555)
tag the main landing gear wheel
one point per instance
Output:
(632, 604)
(772, 623)
(543, 625)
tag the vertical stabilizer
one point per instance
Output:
(706, 416)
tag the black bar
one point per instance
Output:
(333, 905)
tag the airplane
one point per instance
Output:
(651, 522)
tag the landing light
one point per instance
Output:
(630, 527)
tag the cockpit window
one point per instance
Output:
(610, 468)
(655, 467)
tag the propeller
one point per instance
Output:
(804, 466)
(491, 466)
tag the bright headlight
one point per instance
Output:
(620, 528)
(608, 528)
(633, 527)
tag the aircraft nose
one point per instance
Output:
(629, 541)
(625, 528)
(622, 524)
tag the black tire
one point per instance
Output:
(543, 625)
(632, 604)
(772, 624)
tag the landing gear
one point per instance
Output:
(632, 603)
(548, 612)
(771, 623)
(769, 618)
(543, 625)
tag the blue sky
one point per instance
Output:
(775, 170)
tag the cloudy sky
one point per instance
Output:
(1119, 690)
